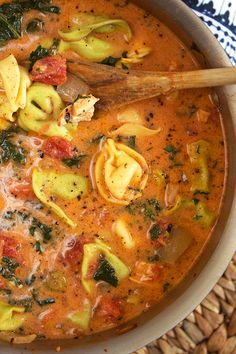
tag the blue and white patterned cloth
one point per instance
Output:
(220, 16)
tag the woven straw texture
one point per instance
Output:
(211, 328)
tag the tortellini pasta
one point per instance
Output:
(133, 129)
(199, 153)
(121, 229)
(91, 254)
(84, 24)
(135, 56)
(10, 317)
(121, 173)
(82, 317)
(14, 84)
(43, 107)
(67, 186)
(81, 40)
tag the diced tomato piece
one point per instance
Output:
(73, 250)
(2, 283)
(9, 247)
(23, 190)
(50, 70)
(145, 272)
(109, 308)
(58, 148)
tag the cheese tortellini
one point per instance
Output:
(14, 82)
(11, 317)
(121, 173)
(43, 106)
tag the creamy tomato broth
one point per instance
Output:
(102, 213)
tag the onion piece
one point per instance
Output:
(171, 193)
(121, 229)
(180, 240)
(72, 88)
(129, 129)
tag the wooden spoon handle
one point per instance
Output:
(203, 78)
(118, 87)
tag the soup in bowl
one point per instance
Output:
(104, 209)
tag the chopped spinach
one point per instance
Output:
(195, 201)
(7, 270)
(10, 151)
(32, 230)
(155, 231)
(149, 208)
(10, 27)
(42, 302)
(38, 247)
(10, 263)
(35, 25)
(111, 61)
(26, 302)
(170, 149)
(106, 272)
(39, 53)
(45, 230)
(11, 16)
(74, 161)
(132, 142)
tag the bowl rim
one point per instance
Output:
(221, 256)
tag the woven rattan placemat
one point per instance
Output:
(210, 328)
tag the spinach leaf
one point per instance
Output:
(155, 231)
(45, 230)
(149, 208)
(42, 302)
(38, 247)
(26, 302)
(7, 270)
(111, 61)
(170, 149)
(10, 151)
(132, 142)
(10, 27)
(39, 53)
(106, 272)
(74, 161)
(40, 5)
(11, 16)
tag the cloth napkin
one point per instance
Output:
(220, 17)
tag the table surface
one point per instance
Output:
(220, 17)
(211, 328)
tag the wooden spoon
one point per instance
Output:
(119, 87)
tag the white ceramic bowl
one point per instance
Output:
(222, 245)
